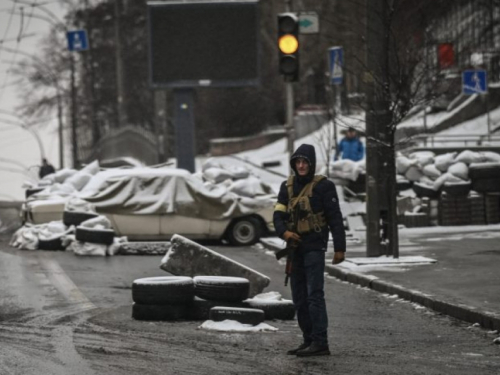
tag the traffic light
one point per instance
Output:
(288, 44)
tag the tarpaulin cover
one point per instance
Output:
(167, 191)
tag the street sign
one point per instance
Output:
(474, 82)
(308, 23)
(336, 64)
(77, 40)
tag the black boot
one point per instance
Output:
(301, 347)
(314, 349)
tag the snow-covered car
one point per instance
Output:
(154, 204)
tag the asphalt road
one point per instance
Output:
(62, 314)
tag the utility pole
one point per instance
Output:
(120, 95)
(74, 118)
(290, 103)
(60, 129)
(380, 185)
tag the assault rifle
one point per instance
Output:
(291, 247)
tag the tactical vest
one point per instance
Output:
(307, 220)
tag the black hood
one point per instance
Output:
(309, 153)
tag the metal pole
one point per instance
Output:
(184, 128)
(60, 131)
(290, 126)
(120, 97)
(488, 118)
(74, 121)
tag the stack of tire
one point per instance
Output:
(172, 298)
(82, 234)
(70, 218)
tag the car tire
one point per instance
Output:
(158, 313)
(242, 315)
(274, 310)
(166, 290)
(99, 236)
(457, 190)
(244, 232)
(199, 309)
(484, 171)
(53, 244)
(76, 218)
(487, 185)
(226, 289)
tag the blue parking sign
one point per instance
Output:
(474, 82)
(336, 64)
(77, 40)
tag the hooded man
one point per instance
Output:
(315, 200)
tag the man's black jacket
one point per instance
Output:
(324, 199)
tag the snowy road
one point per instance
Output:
(60, 314)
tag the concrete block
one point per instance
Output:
(187, 258)
(144, 248)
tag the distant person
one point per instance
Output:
(45, 169)
(351, 147)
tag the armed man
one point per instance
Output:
(307, 208)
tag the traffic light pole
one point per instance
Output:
(290, 127)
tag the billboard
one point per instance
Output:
(196, 44)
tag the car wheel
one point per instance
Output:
(163, 290)
(76, 218)
(274, 310)
(244, 232)
(242, 315)
(99, 236)
(221, 288)
(158, 313)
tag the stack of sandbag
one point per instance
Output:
(430, 174)
(347, 169)
(49, 236)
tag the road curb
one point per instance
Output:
(462, 312)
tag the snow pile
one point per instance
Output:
(234, 326)
(267, 298)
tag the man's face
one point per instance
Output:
(302, 166)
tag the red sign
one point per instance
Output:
(446, 55)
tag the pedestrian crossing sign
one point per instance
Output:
(336, 64)
(77, 40)
(474, 82)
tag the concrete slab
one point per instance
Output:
(383, 260)
(187, 258)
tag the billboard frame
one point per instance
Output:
(192, 83)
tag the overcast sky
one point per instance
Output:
(18, 147)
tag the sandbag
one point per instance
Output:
(446, 177)
(426, 181)
(490, 156)
(413, 174)
(63, 174)
(99, 222)
(403, 164)
(216, 175)
(469, 157)
(79, 205)
(444, 161)
(79, 180)
(459, 170)
(345, 169)
(423, 158)
(431, 171)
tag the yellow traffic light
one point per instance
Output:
(288, 44)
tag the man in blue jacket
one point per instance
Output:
(314, 199)
(351, 147)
